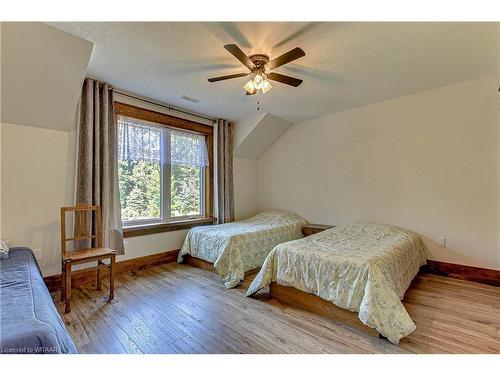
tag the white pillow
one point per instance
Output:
(4, 249)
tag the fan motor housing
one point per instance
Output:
(259, 60)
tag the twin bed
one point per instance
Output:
(361, 267)
(241, 247)
(29, 321)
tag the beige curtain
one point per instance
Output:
(225, 195)
(97, 178)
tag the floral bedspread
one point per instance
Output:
(362, 267)
(235, 248)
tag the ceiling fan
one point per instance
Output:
(259, 67)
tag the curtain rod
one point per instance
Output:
(170, 108)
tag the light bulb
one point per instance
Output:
(249, 87)
(266, 86)
(258, 81)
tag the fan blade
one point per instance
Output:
(227, 77)
(294, 54)
(234, 50)
(247, 93)
(284, 79)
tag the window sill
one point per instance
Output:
(145, 229)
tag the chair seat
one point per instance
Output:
(79, 255)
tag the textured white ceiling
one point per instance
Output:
(347, 65)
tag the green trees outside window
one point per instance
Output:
(151, 187)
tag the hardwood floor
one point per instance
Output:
(181, 309)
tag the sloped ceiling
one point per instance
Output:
(347, 65)
(244, 127)
(42, 74)
(259, 136)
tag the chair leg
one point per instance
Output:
(67, 272)
(112, 277)
(63, 282)
(99, 264)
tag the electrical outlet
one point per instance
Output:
(441, 241)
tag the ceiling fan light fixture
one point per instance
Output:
(258, 81)
(258, 66)
(266, 86)
(250, 87)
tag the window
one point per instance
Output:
(164, 167)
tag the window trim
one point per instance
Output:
(177, 223)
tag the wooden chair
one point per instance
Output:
(83, 218)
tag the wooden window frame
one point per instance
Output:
(139, 229)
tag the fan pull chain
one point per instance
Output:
(258, 106)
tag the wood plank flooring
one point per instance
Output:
(176, 308)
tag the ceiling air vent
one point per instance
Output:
(188, 98)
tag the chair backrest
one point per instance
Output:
(83, 224)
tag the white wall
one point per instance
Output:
(428, 162)
(245, 187)
(37, 179)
